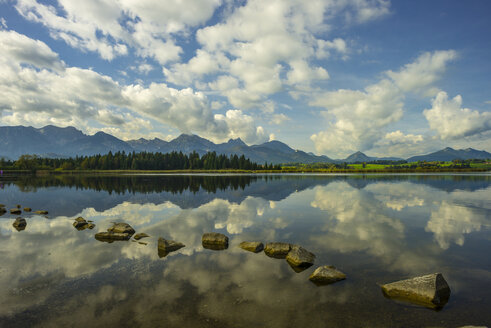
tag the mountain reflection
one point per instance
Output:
(375, 229)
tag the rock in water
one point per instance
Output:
(41, 212)
(252, 246)
(300, 257)
(141, 235)
(122, 227)
(167, 246)
(2, 211)
(27, 209)
(80, 223)
(326, 275)
(431, 291)
(109, 237)
(119, 231)
(15, 211)
(19, 224)
(277, 250)
(215, 241)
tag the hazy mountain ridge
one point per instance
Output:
(52, 141)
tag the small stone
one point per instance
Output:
(91, 226)
(41, 212)
(252, 246)
(326, 275)
(167, 246)
(80, 223)
(140, 235)
(214, 238)
(277, 250)
(19, 224)
(431, 291)
(121, 227)
(109, 237)
(15, 211)
(27, 209)
(300, 257)
(18, 206)
(142, 243)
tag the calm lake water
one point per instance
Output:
(375, 228)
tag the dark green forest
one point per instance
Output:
(138, 161)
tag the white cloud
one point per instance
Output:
(262, 41)
(422, 73)
(279, 119)
(110, 27)
(357, 119)
(47, 92)
(450, 120)
(359, 116)
(241, 125)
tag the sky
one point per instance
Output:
(389, 78)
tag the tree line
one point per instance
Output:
(139, 161)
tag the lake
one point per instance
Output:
(375, 228)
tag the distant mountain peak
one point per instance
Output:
(236, 142)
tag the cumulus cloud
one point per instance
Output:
(47, 92)
(268, 46)
(450, 120)
(423, 72)
(110, 27)
(357, 119)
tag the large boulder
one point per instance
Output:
(20, 224)
(326, 274)
(277, 250)
(252, 246)
(300, 257)
(215, 241)
(167, 246)
(431, 291)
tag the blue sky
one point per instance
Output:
(385, 77)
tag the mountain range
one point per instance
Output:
(52, 141)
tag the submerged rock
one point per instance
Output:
(431, 291)
(27, 209)
(300, 257)
(20, 224)
(277, 250)
(109, 237)
(326, 275)
(121, 227)
(141, 235)
(215, 241)
(252, 246)
(15, 211)
(41, 212)
(167, 246)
